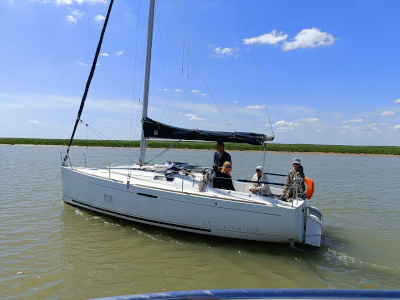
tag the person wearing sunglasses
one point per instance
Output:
(226, 177)
(257, 187)
(220, 156)
(296, 172)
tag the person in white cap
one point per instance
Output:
(260, 188)
(296, 172)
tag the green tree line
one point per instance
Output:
(345, 149)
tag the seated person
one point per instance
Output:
(296, 172)
(226, 178)
(257, 187)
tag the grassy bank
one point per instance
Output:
(387, 150)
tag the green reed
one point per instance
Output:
(345, 149)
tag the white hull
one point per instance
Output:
(176, 202)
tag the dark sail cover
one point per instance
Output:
(155, 129)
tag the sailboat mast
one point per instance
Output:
(147, 80)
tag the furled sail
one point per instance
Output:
(153, 129)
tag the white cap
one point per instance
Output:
(259, 168)
(296, 161)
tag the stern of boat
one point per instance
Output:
(313, 226)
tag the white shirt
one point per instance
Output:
(261, 188)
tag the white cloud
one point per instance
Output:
(372, 128)
(71, 19)
(255, 106)
(36, 122)
(82, 63)
(77, 13)
(309, 120)
(99, 18)
(387, 113)
(64, 2)
(178, 90)
(397, 101)
(105, 54)
(309, 38)
(194, 117)
(271, 38)
(119, 53)
(27, 102)
(356, 121)
(70, 2)
(195, 91)
(74, 16)
(282, 125)
(223, 52)
(395, 127)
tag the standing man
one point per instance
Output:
(220, 156)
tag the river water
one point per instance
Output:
(50, 250)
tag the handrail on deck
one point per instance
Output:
(69, 157)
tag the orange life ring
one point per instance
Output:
(310, 187)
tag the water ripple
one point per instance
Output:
(50, 250)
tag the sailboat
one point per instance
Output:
(181, 196)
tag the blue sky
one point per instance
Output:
(318, 72)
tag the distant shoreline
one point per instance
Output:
(228, 150)
(387, 151)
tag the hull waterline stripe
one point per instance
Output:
(107, 211)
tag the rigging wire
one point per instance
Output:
(164, 73)
(89, 80)
(106, 139)
(179, 80)
(134, 87)
(266, 74)
(161, 153)
(162, 51)
(188, 93)
(255, 66)
(168, 99)
(192, 58)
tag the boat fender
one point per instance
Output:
(310, 187)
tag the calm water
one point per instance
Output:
(50, 250)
